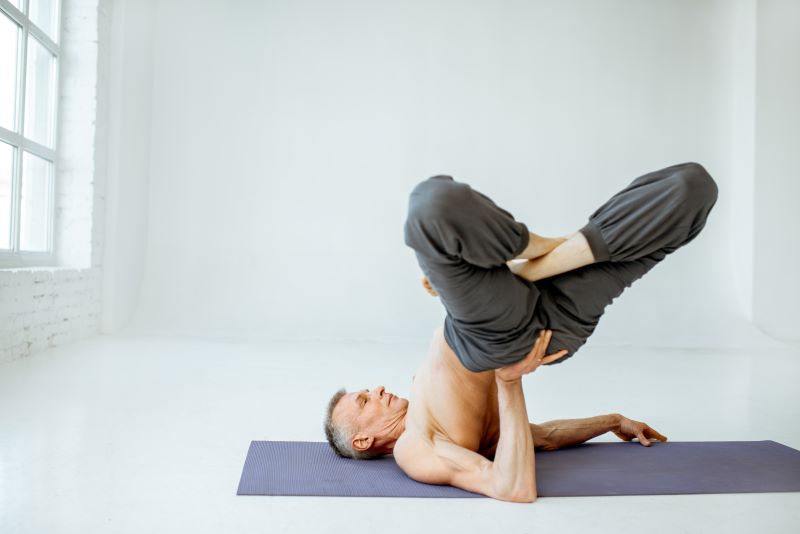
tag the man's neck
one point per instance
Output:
(395, 433)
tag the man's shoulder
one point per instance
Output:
(416, 456)
(411, 444)
(440, 461)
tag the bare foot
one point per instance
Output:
(428, 287)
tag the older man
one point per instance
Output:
(466, 423)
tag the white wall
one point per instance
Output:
(776, 255)
(738, 66)
(129, 72)
(286, 137)
(259, 157)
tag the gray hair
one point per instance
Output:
(339, 435)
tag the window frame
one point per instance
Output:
(14, 257)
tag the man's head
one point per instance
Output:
(365, 424)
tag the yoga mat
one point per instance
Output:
(623, 468)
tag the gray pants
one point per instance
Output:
(462, 240)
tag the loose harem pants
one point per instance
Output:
(462, 241)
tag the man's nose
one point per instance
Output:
(379, 390)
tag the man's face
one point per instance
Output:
(372, 412)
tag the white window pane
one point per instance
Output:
(17, 4)
(9, 39)
(6, 170)
(44, 13)
(39, 102)
(35, 203)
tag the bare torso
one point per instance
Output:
(452, 428)
(449, 404)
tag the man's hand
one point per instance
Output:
(629, 429)
(533, 360)
(428, 287)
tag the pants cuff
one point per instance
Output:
(596, 242)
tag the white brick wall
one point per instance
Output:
(45, 307)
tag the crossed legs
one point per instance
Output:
(637, 228)
(568, 253)
(500, 285)
(544, 257)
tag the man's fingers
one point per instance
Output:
(557, 356)
(652, 433)
(538, 349)
(541, 343)
(643, 440)
(536, 356)
(543, 339)
(541, 346)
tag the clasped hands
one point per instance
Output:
(532, 361)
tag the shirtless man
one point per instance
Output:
(466, 423)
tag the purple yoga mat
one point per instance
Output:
(312, 468)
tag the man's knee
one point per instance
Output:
(696, 186)
(431, 203)
(435, 198)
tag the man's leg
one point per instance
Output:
(637, 228)
(538, 246)
(571, 254)
(462, 241)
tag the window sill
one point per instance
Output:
(27, 260)
(39, 269)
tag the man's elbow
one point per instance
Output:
(523, 497)
(523, 489)
(519, 496)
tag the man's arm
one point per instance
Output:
(514, 465)
(553, 435)
(510, 477)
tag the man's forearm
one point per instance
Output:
(513, 465)
(564, 432)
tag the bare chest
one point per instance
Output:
(449, 402)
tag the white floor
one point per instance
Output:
(127, 434)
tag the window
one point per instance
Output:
(29, 52)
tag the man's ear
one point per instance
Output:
(362, 442)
